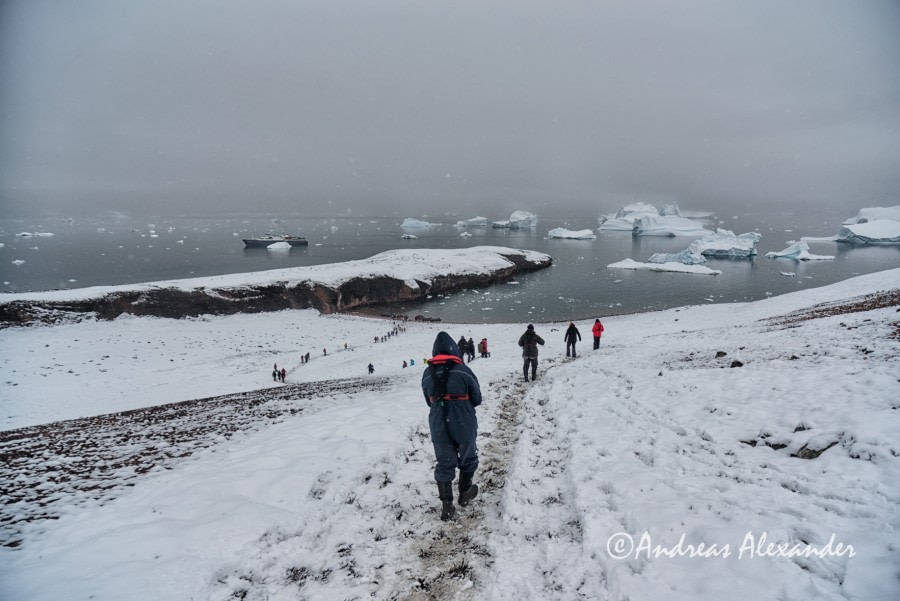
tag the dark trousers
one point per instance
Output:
(596, 342)
(533, 363)
(570, 347)
(450, 456)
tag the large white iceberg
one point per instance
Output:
(473, 222)
(669, 267)
(879, 231)
(725, 244)
(668, 225)
(623, 220)
(522, 220)
(685, 257)
(562, 232)
(798, 251)
(670, 209)
(411, 223)
(873, 213)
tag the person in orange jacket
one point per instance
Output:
(597, 330)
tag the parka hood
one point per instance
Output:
(444, 345)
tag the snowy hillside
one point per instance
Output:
(728, 426)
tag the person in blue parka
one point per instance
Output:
(452, 392)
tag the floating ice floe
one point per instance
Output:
(17, 262)
(30, 234)
(879, 231)
(473, 222)
(562, 232)
(667, 225)
(409, 237)
(668, 267)
(415, 223)
(466, 235)
(279, 246)
(798, 251)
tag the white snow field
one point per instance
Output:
(669, 464)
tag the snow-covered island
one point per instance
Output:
(765, 432)
(567, 234)
(392, 276)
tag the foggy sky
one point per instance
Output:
(418, 107)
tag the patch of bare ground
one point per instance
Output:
(869, 302)
(46, 467)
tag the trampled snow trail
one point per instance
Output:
(407, 552)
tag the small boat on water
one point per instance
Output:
(264, 241)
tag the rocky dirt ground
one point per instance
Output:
(91, 460)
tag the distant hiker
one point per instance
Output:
(325, 352)
(571, 334)
(283, 374)
(529, 341)
(470, 349)
(345, 346)
(412, 362)
(371, 368)
(404, 363)
(597, 331)
(274, 375)
(452, 392)
(483, 348)
(463, 347)
(307, 357)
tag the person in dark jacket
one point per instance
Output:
(529, 341)
(452, 392)
(470, 349)
(463, 347)
(571, 334)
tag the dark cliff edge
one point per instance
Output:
(176, 303)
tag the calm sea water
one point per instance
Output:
(123, 250)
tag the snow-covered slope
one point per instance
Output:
(716, 425)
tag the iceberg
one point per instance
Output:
(725, 244)
(798, 251)
(873, 213)
(671, 209)
(878, 231)
(500, 224)
(669, 225)
(623, 220)
(408, 237)
(522, 220)
(562, 232)
(685, 257)
(473, 222)
(415, 223)
(669, 267)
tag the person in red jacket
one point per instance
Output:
(597, 331)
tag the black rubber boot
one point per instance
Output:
(445, 494)
(467, 490)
